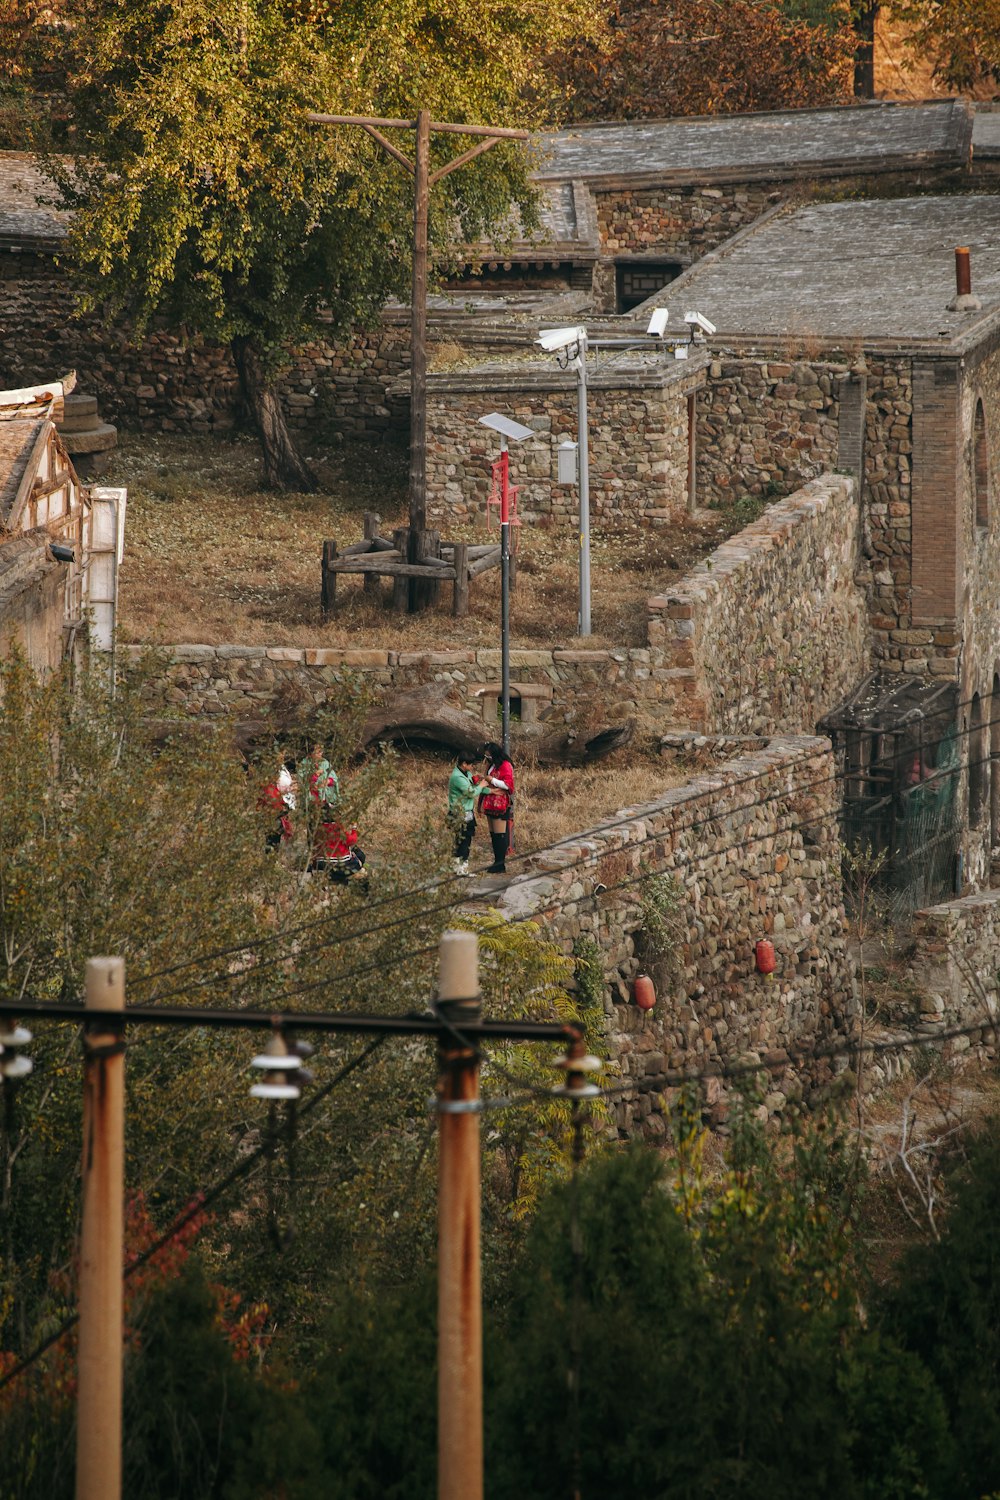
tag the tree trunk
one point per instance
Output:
(865, 16)
(284, 467)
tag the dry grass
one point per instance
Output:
(212, 558)
(551, 804)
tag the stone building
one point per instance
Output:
(625, 208)
(839, 343)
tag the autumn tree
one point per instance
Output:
(961, 36)
(694, 57)
(202, 198)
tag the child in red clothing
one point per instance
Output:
(335, 850)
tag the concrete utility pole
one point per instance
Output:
(423, 180)
(99, 1400)
(460, 1334)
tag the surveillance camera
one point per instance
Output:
(695, 320)
(658, 323)
(554, 339)
(62, 553)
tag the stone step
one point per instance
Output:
(95, 440)
(78, 404)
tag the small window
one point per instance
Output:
(981, 468)
(978, 770)
(638, 279)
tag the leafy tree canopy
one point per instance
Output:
(203, 197)
(694, 57)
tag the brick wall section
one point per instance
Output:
(164, 385)
(679, 224)
(638, 420)
(734, 840)
(766, 426)
(937, 530)
(772, 629)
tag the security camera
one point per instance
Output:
(658, 323)
(62, 553)
(695, 320)
(554, 339)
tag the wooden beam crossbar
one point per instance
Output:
(423, 180)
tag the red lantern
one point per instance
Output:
(764, 957)
(643, 992)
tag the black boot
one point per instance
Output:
(499, 842)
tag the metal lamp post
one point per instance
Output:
(569, 345)
(509, 431)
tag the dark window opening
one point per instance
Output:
(638, 279)
(981, 468)
(515, 708)
(513, 275)
(977, 762)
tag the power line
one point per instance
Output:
(197, 1205)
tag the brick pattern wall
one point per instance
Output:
(936, 520)
(773, 629)
(733, 839)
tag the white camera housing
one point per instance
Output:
(554, 339)
(658, 323)
(696, 320)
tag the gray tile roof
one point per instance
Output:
(879, 137)
(878, 269)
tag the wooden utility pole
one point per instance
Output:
(460, 1333)
(99, 1402)
(423, 180)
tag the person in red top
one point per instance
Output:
(335, 850)
(498, 804)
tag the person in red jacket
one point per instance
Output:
(498, 804)
(335, 851)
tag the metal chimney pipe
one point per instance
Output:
(963, 272)
(963, 300)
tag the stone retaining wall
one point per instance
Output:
(754, 849)
(771, 629)
(954, 974)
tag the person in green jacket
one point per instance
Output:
(463, 793)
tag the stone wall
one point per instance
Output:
(765, 426)
(638, 417)
(954, 978)
(670, 223)
(166, 385)
(753, 848)
(772, 629)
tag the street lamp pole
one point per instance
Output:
(505, 595)
(584, 450)
(507, 429)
